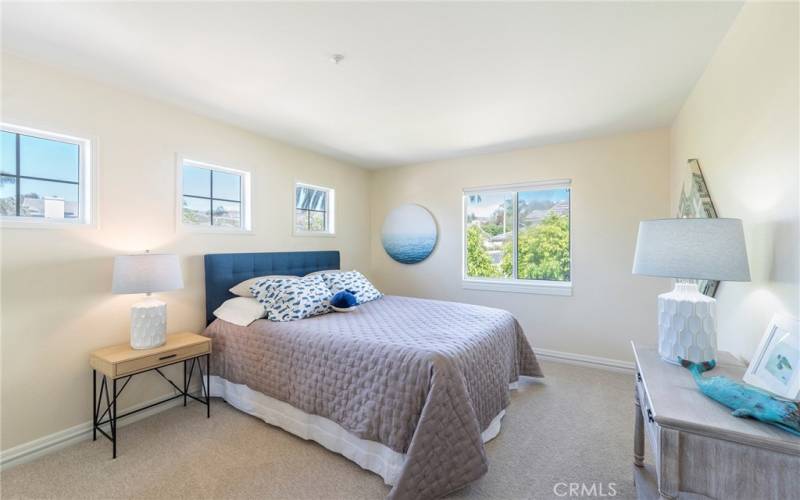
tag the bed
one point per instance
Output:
(407, 388)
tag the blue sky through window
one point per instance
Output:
(551, 195)
(227, 186)
(48, 159)
(196, 181)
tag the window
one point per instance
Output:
(313, 210)
(44, 177)
(517, 238)
(214, 197)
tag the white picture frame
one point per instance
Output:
(775, 366)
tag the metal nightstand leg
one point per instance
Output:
(113, 418)
(185, 386)
(110, 409)
(208, 385)
(94, 405)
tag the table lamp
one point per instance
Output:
(147, 273)
(690, 249)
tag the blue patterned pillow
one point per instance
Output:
(353, 281)
(300, 299)
(268, 289)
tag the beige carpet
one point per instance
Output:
(574, 426)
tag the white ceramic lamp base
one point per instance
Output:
(148, 324)
(687, 324)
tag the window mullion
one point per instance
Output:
(242, 215)
(515, 236)
(47, 179)
(19, 199)
(211, 197)
(464, 253)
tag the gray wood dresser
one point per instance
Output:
(700, 450)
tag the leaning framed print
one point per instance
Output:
(775, 366)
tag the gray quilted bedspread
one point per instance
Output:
(423, 377)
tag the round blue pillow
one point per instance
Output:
(344, 301)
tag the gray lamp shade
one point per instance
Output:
(146, 273)
(709, 249)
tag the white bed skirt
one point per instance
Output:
(370, 455)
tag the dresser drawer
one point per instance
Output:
(162, 358)
(652, 429)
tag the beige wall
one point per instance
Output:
(56, 300)
(616, 182)
(741, 123)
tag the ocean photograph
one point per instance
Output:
(409, 234)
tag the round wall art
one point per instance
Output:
(409, 234)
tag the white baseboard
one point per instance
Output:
(584, 360)
(31, 450)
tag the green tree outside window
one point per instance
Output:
(543, 243)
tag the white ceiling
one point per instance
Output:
(420, 81)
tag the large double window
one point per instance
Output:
(214, 197)
(517, 238)
(44, 177)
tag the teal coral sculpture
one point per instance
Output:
(746, 401)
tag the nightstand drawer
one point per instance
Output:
(162, 358)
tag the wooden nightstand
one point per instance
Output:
(698, 446)
(121, 362)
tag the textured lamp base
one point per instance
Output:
(148, 324)
(687, 324)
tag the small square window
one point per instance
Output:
(214, 197)
(313, 210)
(44, 177)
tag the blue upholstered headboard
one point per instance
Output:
(224, 270)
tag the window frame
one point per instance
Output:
(516, 285)
(246, 226)
(87, 190)
(330, 213)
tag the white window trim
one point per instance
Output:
(246, 201)
(540, 287)
(330, 214)
(87, 185)
(522, 186)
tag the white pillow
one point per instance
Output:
(240, 311)
(243, 288)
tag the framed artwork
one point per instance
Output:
(776, 364)
(409, 234)
(695, 203)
